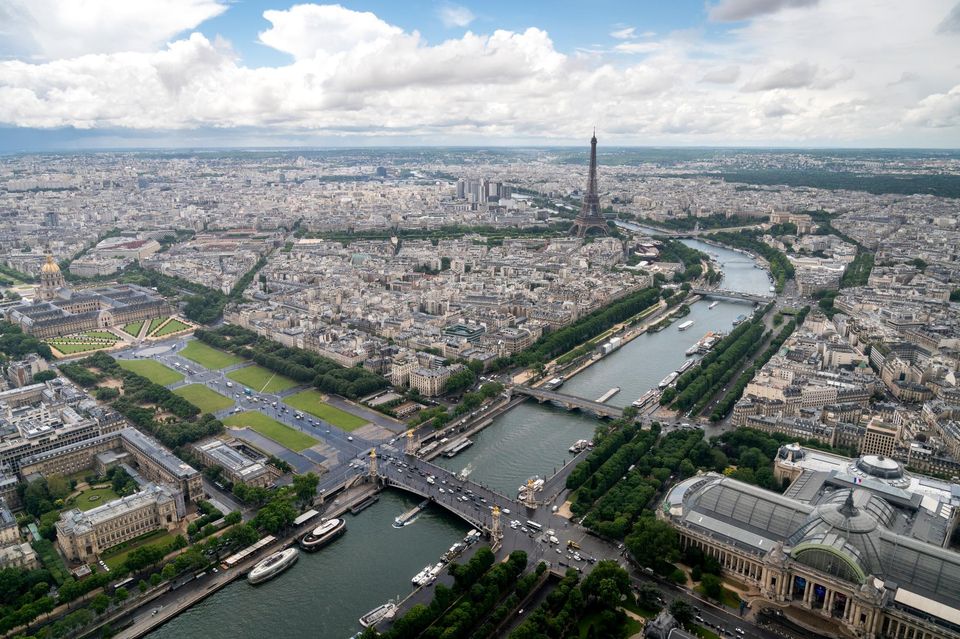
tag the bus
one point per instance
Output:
(126, 583)
(534, 526)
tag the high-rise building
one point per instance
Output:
(590, 217)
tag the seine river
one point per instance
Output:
(325, 593)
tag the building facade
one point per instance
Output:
(860, 544)
(83, 536)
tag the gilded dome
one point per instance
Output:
(50, 267)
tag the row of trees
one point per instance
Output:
(780, 266)
(295, 363)
(599, 597)
(616, 511)
(735, 391)
(695, 387)
(420, 617)
(612, 470)
(562, 340)
(858, 271)
(606, 442)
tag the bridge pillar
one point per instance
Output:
(496, 532)
(412, 445)
(527, 497)
(372, 473)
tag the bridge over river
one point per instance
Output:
(570, 402)
(731, 295)
(472, 502)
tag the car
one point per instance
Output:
(739, 631)
(350, 439)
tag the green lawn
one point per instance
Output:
(105, 335)
(206, 400)
(154, 371)
(261, 380)
(173, 326)
(209, 357)
(272, 429)
(159, 538)
(70, 349)
(155, 323)
(89, 499)
(133, 328)
(310, 401)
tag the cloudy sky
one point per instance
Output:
(644, 72)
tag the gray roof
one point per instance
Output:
(852, 533)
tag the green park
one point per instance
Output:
(154, 371)
(209, 357)
(271, 429)
(206, 400)
(261, 380)
(311, 401)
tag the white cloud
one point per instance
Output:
(801, 75)
(623, 34)
(722, 75)
(454, 15)
(736, 10)
(938, 111)
(308, 30)
(638, 47)
(353, 73)
(54, 29)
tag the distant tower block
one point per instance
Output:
(411, 448)
(496, 532)
(373, 465)
(590, 217)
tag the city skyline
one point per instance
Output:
(744, 73)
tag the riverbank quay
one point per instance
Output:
(167, 603)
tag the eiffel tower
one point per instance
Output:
(590, 216)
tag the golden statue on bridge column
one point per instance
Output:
(373, 464)
(496, 533)
(411, 448)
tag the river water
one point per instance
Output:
(324, 593)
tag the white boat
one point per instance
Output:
(685, 325)
(378, 614)
(273, 565)
(323, 534)
(712, 306)
(669, 379)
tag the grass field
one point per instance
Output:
(173, 326)
(310, 401)
(104, 335)
(272, 429)
(133, 328)
(206, 400)
(209, 357)
(154, 371)
(94, 497)
(155, 323)
(82, 347)
(261, 380)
